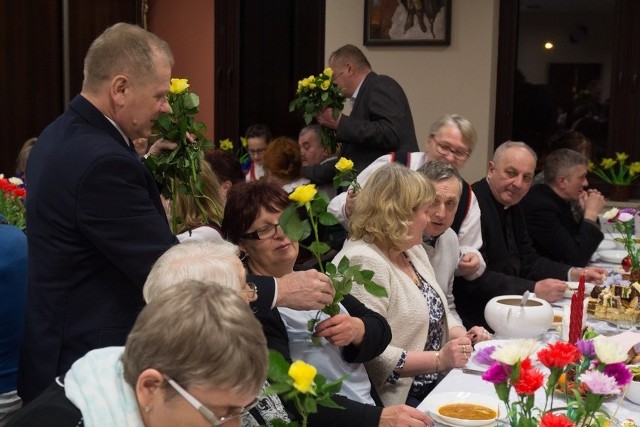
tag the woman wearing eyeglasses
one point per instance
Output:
(353, 337)
(179, 367)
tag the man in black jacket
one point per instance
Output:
(513, 266)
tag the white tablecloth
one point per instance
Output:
(457, 381)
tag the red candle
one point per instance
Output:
(577, 307)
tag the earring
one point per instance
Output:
(147, 409)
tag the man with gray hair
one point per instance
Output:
(549, 216)
(318, 162)
(513, 265)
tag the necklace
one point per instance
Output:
(409, 268)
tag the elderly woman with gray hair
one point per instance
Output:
(390, 215)
(160, 378)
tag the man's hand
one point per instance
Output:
(341, 330)
(160, 146)
(305, 290)
(469, 264)
(403, 415)
(349, 203)
(592, 274)
(325, 118)
(550, 290)
(592, 203)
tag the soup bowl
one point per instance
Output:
(509, 319)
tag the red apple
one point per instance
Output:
(626, 264)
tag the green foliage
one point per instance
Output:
(178, 171)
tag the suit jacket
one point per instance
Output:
(554, 231)
(380, 122)
(96, 226)
(377, 337)
(501, 277)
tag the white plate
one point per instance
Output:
(573, 286)
(433, 401)
(613, 256)
(606, 245)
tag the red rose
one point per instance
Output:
(559, 355)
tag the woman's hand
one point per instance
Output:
(455, 353)
(478, 334)
(341, 330)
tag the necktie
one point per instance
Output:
(512, 244)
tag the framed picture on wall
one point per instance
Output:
(407, 22)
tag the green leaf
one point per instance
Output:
(279, 388)
(310, 405)
(291, 224)
(330, 269)
(343, 264)
(328, 219)
(329, 403)
(320, 248)
(374, 289)
(278, 368)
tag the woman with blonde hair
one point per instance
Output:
(389, 217)
(200, 222)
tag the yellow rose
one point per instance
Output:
(328, 72)
(607, 163)
(303, 193)
(226, 144)
(621, 157)
(178, 86)
(344, 164)
(312, 85)
(303, 375)
(325, 84)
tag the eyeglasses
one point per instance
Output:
(262, 233)
(252, 290)
(210, 416)
(444, 149)
(256, 150)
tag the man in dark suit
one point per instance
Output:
(380, 120)
(513, 266)
(96, 222)
(549, 215)
(318, 162)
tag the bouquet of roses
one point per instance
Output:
(343, 275)
(584, 374)
(179, 169)
(12, 196)
(314, 94)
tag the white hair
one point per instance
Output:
(207, 262)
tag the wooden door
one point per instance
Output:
(266, 47)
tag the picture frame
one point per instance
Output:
(407, 22)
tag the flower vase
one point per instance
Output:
(619, 193)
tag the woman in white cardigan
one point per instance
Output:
(386, 235)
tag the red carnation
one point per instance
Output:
(551, 420)
(559, 355)
(529, 380)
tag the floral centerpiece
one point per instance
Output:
(343, 275)
(241, 152)
(301, 383)
(623, 220)
(179, 170)
(314, 94)
(623, 174)
(584, 375)
(12, 197)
